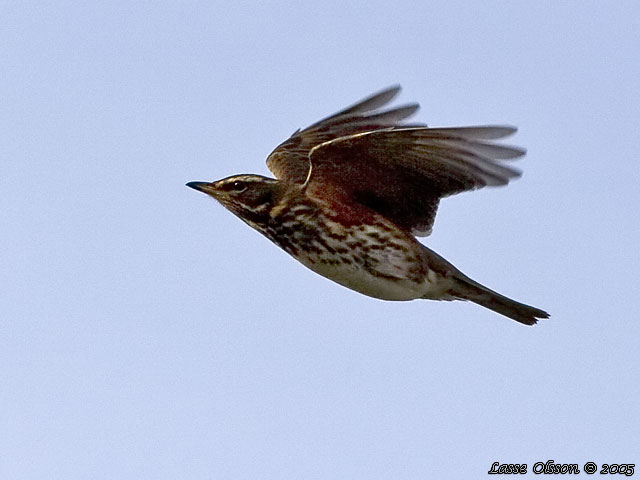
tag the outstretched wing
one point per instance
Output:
(403, 172)
(290, 160)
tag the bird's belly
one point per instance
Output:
(362, 281)
(376, 260)
(385, 268)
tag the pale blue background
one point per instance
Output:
(146, 333)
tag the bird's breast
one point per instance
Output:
(374, 258)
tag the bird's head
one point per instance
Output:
(250, 197)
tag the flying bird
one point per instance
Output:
(354, 190)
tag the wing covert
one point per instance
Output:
(403, 172)
(289, 161)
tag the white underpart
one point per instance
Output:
(388, 262)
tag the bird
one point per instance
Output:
(353, 191)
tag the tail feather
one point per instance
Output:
(474, 292)
(463, 288)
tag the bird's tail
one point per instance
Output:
(467, 289)
(463, 288)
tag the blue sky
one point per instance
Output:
(147, 333)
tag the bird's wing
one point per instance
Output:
(403, 172)
(290, 160)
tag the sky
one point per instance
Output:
(145, 332)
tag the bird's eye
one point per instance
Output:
(238, 186)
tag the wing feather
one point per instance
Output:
(289, 161)
(372, 102)
(403, 172)
(400, 170)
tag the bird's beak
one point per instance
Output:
(204, 187)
